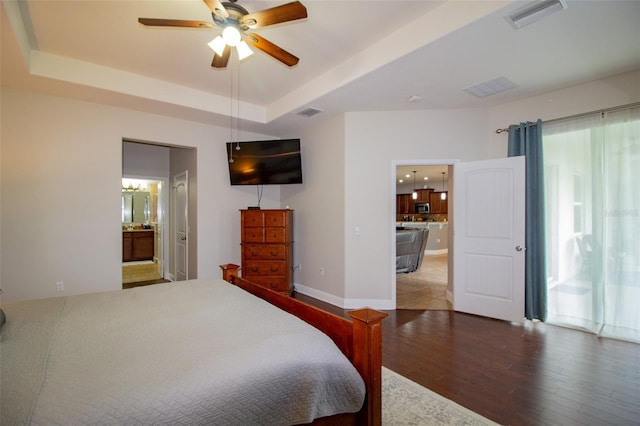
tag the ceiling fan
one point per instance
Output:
(235, 22)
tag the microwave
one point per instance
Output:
(422, 208)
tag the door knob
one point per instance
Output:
(518, 248)
(183, 238)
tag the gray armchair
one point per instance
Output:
(410, 246)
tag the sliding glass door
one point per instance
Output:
(592, 182)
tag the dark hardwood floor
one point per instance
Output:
(514, 374)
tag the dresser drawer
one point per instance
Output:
(274, 283)
(253, 235)
(264, 251)
(275, 218)
(275, 235)
(264, 235)
(265, 268)
(252, 218)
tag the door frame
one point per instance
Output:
(423, 162)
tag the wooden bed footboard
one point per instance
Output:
(360, 338)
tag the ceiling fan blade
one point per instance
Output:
(221, 61)
(174, 23)
(275, 15)
(217, 8)
(271, 49)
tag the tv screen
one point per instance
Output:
(273, 162)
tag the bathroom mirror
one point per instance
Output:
(136, 207)
(127, 207)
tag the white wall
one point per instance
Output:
(374, 140)
(61, 176)
(144, 160)
(319, 211)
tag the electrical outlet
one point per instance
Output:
(322, 272)
(298, 267)
(59, 286)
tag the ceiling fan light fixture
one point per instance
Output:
(231, 35)
(217, 45)
(244, 51)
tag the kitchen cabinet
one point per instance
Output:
(267, 248)
(404, 204)
(424, 195)
(437, 205)
(138, 245)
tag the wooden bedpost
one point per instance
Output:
(367, 333)
(229, 270)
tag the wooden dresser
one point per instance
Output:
(267, 248)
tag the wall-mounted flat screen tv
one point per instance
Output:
(271, 162)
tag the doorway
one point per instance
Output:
(150, 162)
(422, 204)
(143, 231)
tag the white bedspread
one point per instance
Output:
(196, 352)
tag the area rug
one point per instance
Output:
(405, 402)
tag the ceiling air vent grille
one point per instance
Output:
(308, 112)
(534, 12)
(491, 87)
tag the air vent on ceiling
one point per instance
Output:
(490, 87)
(308, 112)
(534, 12)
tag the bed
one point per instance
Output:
(194, 352)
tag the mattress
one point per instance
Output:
(194, 352)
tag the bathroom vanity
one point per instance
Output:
(137, 244)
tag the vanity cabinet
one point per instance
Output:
(137, 245)
(267, 248)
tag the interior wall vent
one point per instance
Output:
(308, 112)
(534, 12)
(491, 87)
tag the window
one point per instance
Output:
(592, 173)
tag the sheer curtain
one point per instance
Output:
(592, 184)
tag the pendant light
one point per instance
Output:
(415, 193)
(443, 195)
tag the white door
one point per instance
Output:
(488, 216)
(181, 226)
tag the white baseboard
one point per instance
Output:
(433, 252)
(345, 303)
